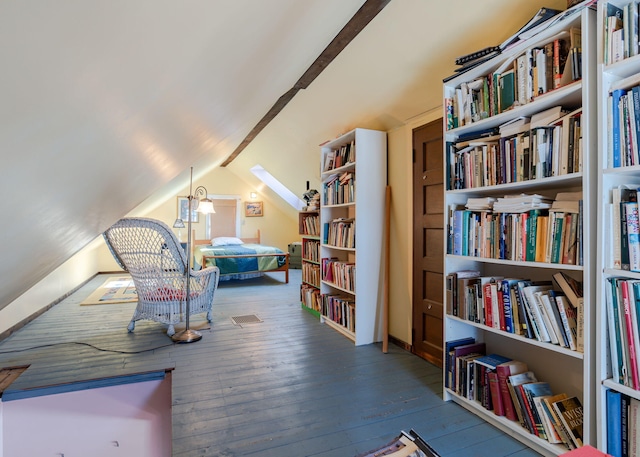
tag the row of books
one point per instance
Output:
(620, 32)
(548, 311)
(623, 312)
(310, 225)
(624, 223)
(310, 297)
(534, 73)
(508, 388)
(339, 189)
(550, 235)
(341, 233)
(623, 424)
(623, 115)
(547, 144)
(337, 158)
(311, 250)
(340, 309)
(339, 273)
(311, 274)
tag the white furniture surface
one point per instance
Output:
(370, 171)
(567, 371)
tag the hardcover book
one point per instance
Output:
(504, 370)
(570, 413)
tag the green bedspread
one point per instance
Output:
(239, 264)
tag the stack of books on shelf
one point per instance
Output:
(509, 389)
(517, 82)
(548, 311)
(311, 274)
(310, 224)
(475, 58)
(339, 189)
(624, 126)
(341, 233)
(625, 226)
(337, 158)
(339, 273)
(620, 32)
(623, 307)
(340, 309)
(310, 250)
(623, 423)
(310, 297)
(547, 144)
(519, 228)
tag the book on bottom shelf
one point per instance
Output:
(571, 415)
(483, 366)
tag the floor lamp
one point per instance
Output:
(202, 206)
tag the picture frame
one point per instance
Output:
(253, 209)
(183, 210)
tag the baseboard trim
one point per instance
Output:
(400, 343)
(14, 328)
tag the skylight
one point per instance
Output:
(279, 188)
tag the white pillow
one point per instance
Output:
(225, 240)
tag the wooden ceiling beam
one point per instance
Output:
(356, 24)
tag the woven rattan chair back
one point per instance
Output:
(151, 253)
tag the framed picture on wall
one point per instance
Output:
(253, 209)
(183, 210)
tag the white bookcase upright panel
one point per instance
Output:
(567, 371)
(369, 172)
(613, 76)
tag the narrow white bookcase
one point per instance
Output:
(567, 371)
(352, 201)
(614, 78)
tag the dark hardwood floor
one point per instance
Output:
(287, 386)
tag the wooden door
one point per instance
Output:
(428, 249)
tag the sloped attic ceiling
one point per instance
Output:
(105, 104)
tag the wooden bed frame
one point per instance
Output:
(256, 240)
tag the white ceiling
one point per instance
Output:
(105, 105)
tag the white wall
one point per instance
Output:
(132, 420)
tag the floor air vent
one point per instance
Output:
(246, 319)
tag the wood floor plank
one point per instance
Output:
(284, 387)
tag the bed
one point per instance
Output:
(240, 258)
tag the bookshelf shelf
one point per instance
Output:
(358, 223)
(538, 444)
(487, 298)
(558, 266)
(570, 95)
(618, 171)
(309, 228)
(501, 333)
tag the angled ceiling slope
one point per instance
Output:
(359, 21)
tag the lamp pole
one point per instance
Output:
(188, 335)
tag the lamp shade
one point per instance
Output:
(179, 223)
(206, 206)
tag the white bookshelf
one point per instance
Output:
(623, 74)
(367, 209)
(567, 371)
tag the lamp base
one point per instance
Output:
(187, 336)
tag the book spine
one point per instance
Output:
(633, 235)
(614, 422)
(503, 372)
(633, 368)
(507, 307)
(496, 396)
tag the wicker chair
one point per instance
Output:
(151, 253)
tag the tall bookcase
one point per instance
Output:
(309, 228)
(353, 176)
(618, 169)
(484, 161)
